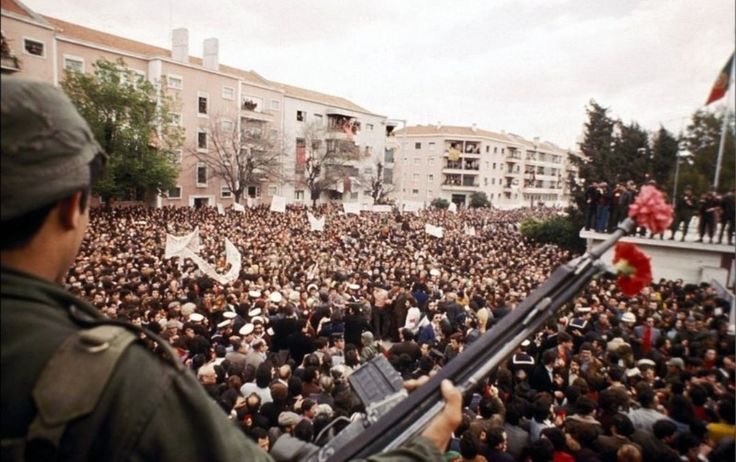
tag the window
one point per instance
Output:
(202, 103)
(175, 82)
(494, 166)
(34, 47)
(495, 149)
(415, 192)
(369, 127)
(502, 150)
(228, 93)
(273, 190)
(300, 116)
(225, 192)
(140, 76)
(275, 104)
(430, 177)
(201, 175)
(318, 118)
(175, 119)
(354, 195)
(493, 181)
(417, 145)
(299, 195)
(485, 181)
(431, 146)
(226, 125)
(174, 193)
(177, 155)
(202, 139)
(73, 63)
(488, 149)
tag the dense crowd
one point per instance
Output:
(613, 378)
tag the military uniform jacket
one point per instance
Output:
(149, 410)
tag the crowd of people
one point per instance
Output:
(607, 206)
(612, 378)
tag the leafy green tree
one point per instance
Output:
(664, 152)
(702, 138)
(479, 200)
(130, 118)
(557, 230)
(630, 153)
(440, 203)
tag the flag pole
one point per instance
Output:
(724, 127)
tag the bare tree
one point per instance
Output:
(379, 189)
(324, 159)
(242, 156)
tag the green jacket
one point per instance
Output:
(149, 410)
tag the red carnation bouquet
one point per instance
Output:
(634, 269)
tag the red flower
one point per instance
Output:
(651, 211)
(634, 268)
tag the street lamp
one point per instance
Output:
(682, 154)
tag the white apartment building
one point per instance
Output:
(209, 96)
(451, 162)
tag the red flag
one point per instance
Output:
(721, 86)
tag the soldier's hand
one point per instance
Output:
(441, 427)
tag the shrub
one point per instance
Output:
(479, 200)
(558, 230)
(440, 203)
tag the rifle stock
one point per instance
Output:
(409, 417)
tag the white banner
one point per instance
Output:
(453, 207)
(413, 206)
(382, 209)
(232, 257)
(314, 223)
(469, 230)
(220, 209)
(238, 208)
(278, 204)
(175, 245)
(351, 207)
(435, 231)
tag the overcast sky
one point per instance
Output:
(523, 66)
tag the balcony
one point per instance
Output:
(250, 112)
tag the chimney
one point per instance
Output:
(536, 139)
(180, 45)
(474, 128)
(210, 54)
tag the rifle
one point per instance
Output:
(393, 417)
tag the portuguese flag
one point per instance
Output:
(721, 86)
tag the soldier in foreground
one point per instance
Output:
(76, 386)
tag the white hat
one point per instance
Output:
(270, 332)
(526, 343)
(224, 323)
(583, 309)
(254, 312)
(229, 314)
(196, 317)
(294, 296)
(353, 286)
(276, 297)
(188, 308)
(628, 317)
(246, 329)
(434, 272)
(256, 319)
(312, 287)
(254, 294)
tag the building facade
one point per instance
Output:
(452, 163)
(208, 98)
